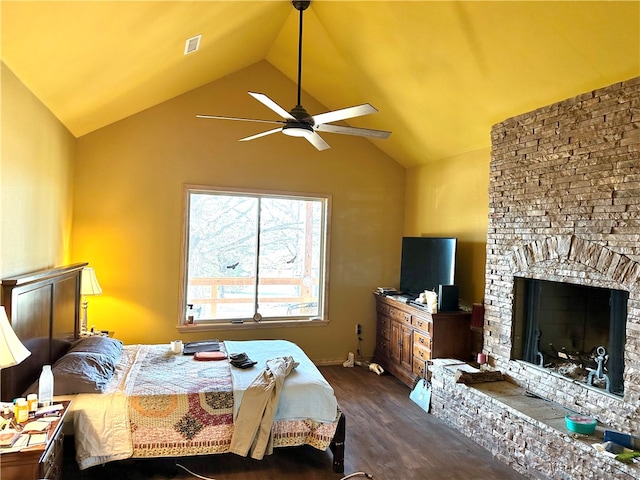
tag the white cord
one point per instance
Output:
(351, 475)
(357, 474)
(194, 474)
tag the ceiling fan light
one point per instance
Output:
(298, 130)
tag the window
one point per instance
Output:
(253, 257)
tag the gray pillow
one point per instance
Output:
(82, 372)
(79, 372)
(98, 344)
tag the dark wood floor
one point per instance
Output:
(388, 437)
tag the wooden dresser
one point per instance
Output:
(408, 336)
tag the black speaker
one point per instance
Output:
(447, 298)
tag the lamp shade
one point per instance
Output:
(12, 351)
(89, 284)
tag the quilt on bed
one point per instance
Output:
(178, 406)
(175, 406)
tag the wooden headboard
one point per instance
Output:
(44, 310)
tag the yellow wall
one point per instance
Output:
(125, 195)
(36, 173)
(450, 198)
(128, 209)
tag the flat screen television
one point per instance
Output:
(427, 262)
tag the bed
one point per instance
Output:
(154, 403)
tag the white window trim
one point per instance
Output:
(184, 327)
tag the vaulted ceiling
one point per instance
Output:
(441, 73)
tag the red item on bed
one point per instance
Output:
(205, 356)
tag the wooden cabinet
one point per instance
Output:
(408, 337)
(401, 344)
(41, 462)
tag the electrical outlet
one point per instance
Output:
(358, 329)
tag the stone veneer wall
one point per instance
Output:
(565, 206)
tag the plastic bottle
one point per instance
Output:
(32, 402)
(21, 410)
(45, 386)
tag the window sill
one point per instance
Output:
(250, 325)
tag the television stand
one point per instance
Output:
(408, 336)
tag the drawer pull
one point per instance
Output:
(422, 340)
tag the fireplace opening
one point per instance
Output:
(574, 330)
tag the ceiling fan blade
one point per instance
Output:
(362, 132)
(298, 122)
(343, 113)
(216, 117)
(263, 134)
(317, 141)
(267, 102)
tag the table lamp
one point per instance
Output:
(88, 286)
(12, 351)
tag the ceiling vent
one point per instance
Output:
(192, 44)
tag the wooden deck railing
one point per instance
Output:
(305, 297)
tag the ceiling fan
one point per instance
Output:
(297, 122)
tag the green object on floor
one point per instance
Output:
(627, 457)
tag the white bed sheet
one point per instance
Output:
(101, 420)
(306, 393)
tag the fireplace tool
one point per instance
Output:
(599, 371)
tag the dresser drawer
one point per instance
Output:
(382, 308)
(422, 324)
(422, 340)
(51, 464)
(382, 349)
(420, 352)
(384, 329)
(419, 367)
(400, 315)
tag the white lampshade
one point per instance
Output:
(12, 351)
(89, 284)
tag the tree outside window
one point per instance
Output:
(254, 256)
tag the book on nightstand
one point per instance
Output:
(8, 437)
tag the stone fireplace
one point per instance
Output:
(564, 207)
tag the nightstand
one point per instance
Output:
(38, 462)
